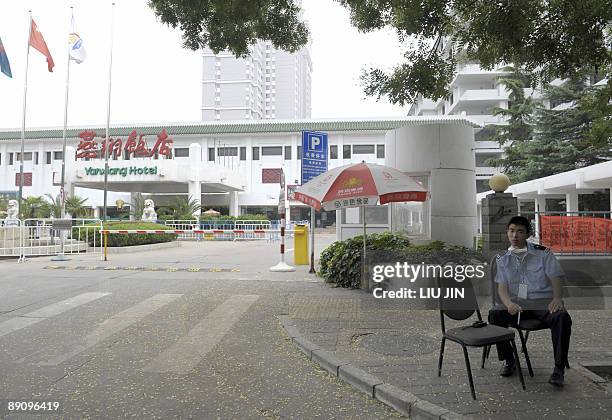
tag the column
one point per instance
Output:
(234, 208)
(571, 203)
(195, 192)
(540, 209)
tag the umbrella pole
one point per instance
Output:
(364, 277)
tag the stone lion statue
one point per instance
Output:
(148, 213)
(12, 210)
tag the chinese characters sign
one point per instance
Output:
(314, 155)
(135, 145)
(576, 233)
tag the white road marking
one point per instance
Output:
(189, 350)
(115, 324)
(46, 312)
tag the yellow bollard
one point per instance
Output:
(105, 245)
(300, 244)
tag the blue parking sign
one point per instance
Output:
(314, 154)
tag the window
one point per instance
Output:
(299, 152)
(227, 151)
(26, 156)
(287, 152)
(380, 151)
(181, 152)
(272, 151)
(211, 154)
(255, 153)
(333, 152)
(59, 155)
(363, 149)
(243, 153)
(346, 152)
(271, 176)
(36, 158)
(10, 158)
(0, 158)
(47, 160)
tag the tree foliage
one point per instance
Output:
(574, 132)
(547, 38)
(234, 25)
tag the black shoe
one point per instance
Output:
(557, 378)
(508, 368)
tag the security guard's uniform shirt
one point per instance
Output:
(535, 268)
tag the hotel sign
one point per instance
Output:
(135, 145)
(125, 171)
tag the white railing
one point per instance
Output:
(39, 238)
(10, 238)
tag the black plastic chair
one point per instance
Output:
(460, 309)
(524, 328)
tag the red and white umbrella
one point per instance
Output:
(360, 184)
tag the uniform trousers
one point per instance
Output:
(560, 324)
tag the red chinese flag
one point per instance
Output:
(37, 41)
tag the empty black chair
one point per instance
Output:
(478, 334)
(526, 326)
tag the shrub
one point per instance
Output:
(341, 262)
(119, 240)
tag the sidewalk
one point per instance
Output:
(373, 343)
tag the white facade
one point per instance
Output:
(267, 84)
(475, 93)
(234, 166)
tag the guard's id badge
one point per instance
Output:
(522, 291)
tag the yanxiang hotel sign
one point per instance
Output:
(124, 172)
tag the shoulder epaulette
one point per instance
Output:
(541, 247)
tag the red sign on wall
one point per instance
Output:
(27, 179)
(271, 176)
(135, 145)
(576, 233)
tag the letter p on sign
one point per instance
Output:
(315, 143)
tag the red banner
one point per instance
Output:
(576, 233)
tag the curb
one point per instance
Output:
(402, 401)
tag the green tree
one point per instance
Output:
(74, 206)
(183, 208)
(137, 206)
(518, 125)
(234, 25)
(548, 38)
(575, 132)
(33, 208)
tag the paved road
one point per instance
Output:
(112, 343)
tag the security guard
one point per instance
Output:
(529, 286)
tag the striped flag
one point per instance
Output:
(5, 66)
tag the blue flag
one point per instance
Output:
(5, 66)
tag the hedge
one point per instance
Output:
(119, 240)
(341, 262)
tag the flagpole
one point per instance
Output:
(110, 69)
(61, 256)
(25, 91)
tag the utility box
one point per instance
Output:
(300, 245)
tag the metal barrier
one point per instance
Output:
(10, 238)
(573, 233)
(40, 238)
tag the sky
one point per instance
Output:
(154, 79)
